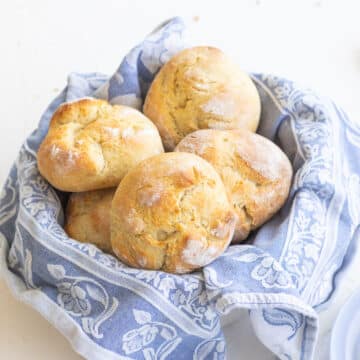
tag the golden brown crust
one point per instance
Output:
(92, 144)
(256, 173)
(171, 213)
(88, 217)
(201, 88)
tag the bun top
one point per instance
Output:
(92, 144)
(201, 88)
(88, 217)
(256, 173)
(171, 213)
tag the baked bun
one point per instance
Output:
(256, 173)
(171, 213)
(92, 145)
(88, 217)
(201, 88)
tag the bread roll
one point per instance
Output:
(92, 145)
(171, 213)
(201, 88)
(256, 173)
(88, 217)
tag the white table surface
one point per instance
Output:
(314, 42)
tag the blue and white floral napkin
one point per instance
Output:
(110, 311)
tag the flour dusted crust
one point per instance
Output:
(92, 145)
(201, 88)
(256, 173)
(171, 213)
(88, 217)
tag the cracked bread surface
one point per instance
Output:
(201, 88)
(256, 173)
(87, 217)
(91, 145)
(171, 213)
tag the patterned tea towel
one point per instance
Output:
(110, 311)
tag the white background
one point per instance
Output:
(314, 42)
